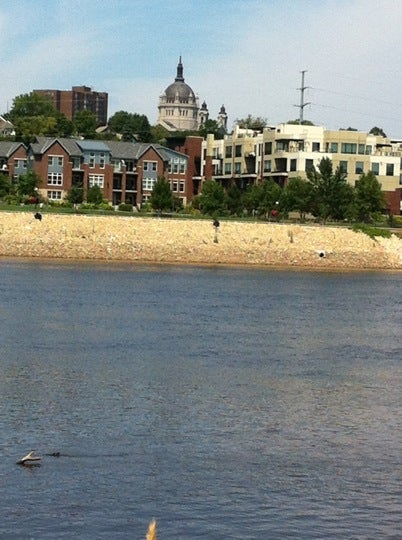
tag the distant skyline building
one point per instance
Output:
(179, 107)
(79, 98)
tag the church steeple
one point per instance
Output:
(179, 76)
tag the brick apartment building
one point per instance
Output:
(79, 98)
(125, 171)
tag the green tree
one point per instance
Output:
(33, 114)
(85, 124)
(303, 123)
(162, 197)
(333, 196)
(270, 195)
(5, 185)
(30, 105)
(252, 122)
(212, 198)
(76, 194)
(377, 131)
(298, 196)
(131, 126)
(211, 126)
(159, 134)
(94, 195)
(251, 199)
(233, 200)
(369, 199)
(27, 184)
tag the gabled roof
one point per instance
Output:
(42, 144)
(168, 152)
(7, 148)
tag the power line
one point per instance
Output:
(364, 98)
(353, 111)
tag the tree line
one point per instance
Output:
(325, 194)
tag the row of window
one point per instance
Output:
(176, 185)
(359, 167)
(333, 148)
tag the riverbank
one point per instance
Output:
(194, 242)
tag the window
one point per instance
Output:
(55, 161)
(267, 165)
(293, 163)
(334, 148)
(175, 186)
(375, 168)
(238, 150)
(152, 165)
(268, 148)
(181, 187)
(282, 146)
(182, 167)
(102, 161)
(96, 180)
(228, 152)
(309, 165)
(55, 179)
(390, 169)
(316, 147)
(20, 163)
(92, 160)
(148, 184)
(359, 167)
(54, 195)
(343, 166)
(368, 149)
(237, 168)
(348, 148)
(228, 168)
(361, 149)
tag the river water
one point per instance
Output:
(224, 403)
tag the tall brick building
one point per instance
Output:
(79, 98)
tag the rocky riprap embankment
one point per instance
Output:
(192, 241)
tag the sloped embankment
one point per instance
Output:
(193, 241)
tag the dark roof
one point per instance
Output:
(122, 149)
(117, 149)
(7, 148)
(42, 144)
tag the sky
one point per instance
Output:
(245, 54)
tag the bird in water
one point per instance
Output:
(29, 459)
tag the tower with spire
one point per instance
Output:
(179, 108)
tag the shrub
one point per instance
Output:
(125, 207)
(372, 232)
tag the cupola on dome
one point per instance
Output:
(179, 90)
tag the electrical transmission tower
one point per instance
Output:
(302, 102)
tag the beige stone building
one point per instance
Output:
(179, 107)
(288, 150)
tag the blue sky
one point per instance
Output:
(245, 54)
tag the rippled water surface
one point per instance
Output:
(225, 403)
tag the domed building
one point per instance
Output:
(179, 108)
